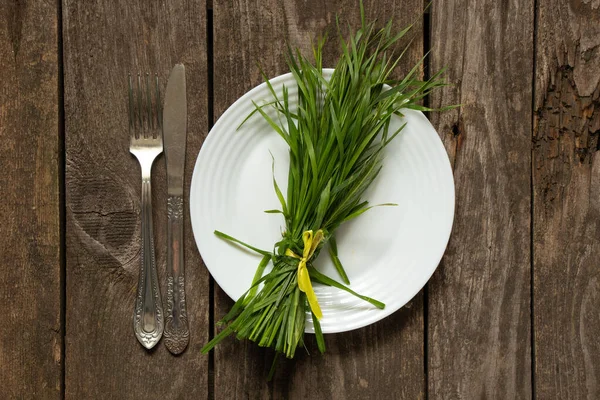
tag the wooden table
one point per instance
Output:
(511, 312)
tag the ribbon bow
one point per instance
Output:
(310, 245)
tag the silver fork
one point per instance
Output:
(145, 130)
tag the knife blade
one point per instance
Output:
(176, 332)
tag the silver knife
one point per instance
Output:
(176, 333)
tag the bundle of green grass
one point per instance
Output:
(336, 132)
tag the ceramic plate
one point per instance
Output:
(389, 253)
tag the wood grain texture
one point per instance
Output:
(566, 176)
(384, 360)
(103, 42)
(30, 337)
(479, 298)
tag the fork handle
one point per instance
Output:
(177, 333)
(148, 317)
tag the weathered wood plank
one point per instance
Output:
(30, 338)
(566, 177)
(384, 360)
(479, 299)
(103, 41)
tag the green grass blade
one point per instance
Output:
(277, 190)
(232, 239)
(363, 210)
(257, 275)
(318, 334)
(325, 280)
(333, 253)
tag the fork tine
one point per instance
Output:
(148, 106)
(139, 109)
(158, 107)
(131, 112)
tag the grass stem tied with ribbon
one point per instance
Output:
(336, 132)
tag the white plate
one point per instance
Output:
(389, 253)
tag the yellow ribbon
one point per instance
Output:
(310, 245)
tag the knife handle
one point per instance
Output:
(176, 333)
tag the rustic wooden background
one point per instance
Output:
(511, 312)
